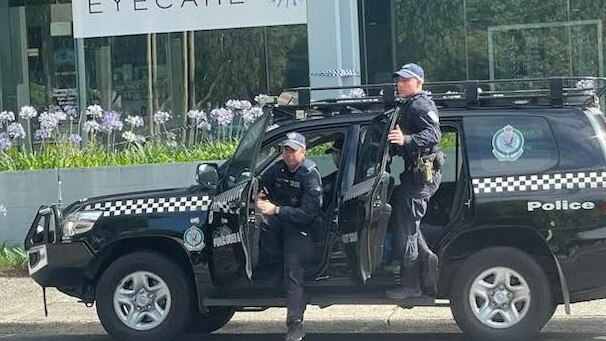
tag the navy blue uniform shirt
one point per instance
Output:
(420, 123)
(298, 193)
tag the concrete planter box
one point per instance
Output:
(23, 192)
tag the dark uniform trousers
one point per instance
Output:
(411, 206)
(294, 247)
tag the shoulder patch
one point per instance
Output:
(434, 116)
(308, 165)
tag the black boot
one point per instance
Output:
(410, 282)
(295, 331)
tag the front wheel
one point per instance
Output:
(143, 296)
(501, 293)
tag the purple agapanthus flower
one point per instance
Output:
(204, 125)
(200, 119)
(60, 115)
(94, 111)
(263, 99)
(71, 111)
(15, 131)
(7, 117)
(75, 138)
(197, 115)
(91, 126)
(110, 121)
(43, 134)
(252, 114)
(27, 112)
(5, 142)
(234, 104)
(134, 121)
(223, 116)
(48, 121)
(161, 117)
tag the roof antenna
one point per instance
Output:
(59, 188)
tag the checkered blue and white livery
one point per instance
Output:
(360, 189)
(543, 182)
(151, 205)
(221, 202)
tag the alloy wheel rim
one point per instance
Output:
(142, 300)
(500, 297)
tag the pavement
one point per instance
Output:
(22, 318)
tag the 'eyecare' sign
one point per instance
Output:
(101, 18)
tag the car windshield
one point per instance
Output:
(239, 166)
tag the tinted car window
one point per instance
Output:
(579, 143)
(501, 145)
(370, 149)
(238, 169)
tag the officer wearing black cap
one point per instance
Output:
(291, 200)
(415, 138)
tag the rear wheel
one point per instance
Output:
(214, 319)
(143, 295)
(501, 293)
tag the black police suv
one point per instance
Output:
(519, 222)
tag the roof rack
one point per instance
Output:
(553, 91)
(525, 92)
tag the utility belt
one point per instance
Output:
(424, 166)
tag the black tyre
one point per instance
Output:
(214, 319)
(143, 296)
(551, 312)
(501, 293)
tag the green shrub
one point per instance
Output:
(12, 257)
(67, 156)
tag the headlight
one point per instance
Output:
(79, 222)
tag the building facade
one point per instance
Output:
(45, 59)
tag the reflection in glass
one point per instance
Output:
(475, 39)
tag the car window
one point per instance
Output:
(370, 149)
(581, 143)
(508, 145)
(238, 170)
(450, 145)
(267, 155)
(320, 154)
(318, 142)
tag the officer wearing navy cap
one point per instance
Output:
(291, 200)
(415, 138)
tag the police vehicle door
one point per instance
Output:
(364, 210)
(234, 229)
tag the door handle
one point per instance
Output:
(468, 203)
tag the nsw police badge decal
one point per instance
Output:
(193, 239)
(508, 144)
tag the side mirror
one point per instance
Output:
(207, 176)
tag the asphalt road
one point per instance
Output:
(22, 318)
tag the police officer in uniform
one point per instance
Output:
(291, 200)
(415, 138)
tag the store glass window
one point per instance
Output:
(288, 57)
(502, 39)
